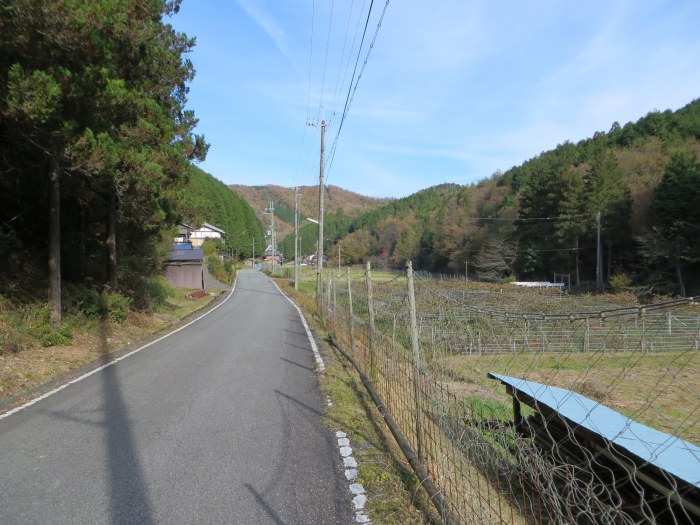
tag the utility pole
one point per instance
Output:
(296, 238)
(271, 211)
(466, 271)
(253, 253)
(321, 188)
(599, 257)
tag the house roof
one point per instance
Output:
(195, 254)
(665, 451)
(212, 227)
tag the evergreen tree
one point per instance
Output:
(676, 215)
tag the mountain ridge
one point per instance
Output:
(259, 197)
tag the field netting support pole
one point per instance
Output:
(352, 321)
(416, 360)
(434, 493)
(370, 313)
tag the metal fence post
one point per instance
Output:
(416, 360)
(370, 310)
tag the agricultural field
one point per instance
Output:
(639, 359)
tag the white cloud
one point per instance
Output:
(257, 11)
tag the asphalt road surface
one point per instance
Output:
(218, 423)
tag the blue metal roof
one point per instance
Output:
(670, 453)
(195, 254)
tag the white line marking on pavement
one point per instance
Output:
(99, 369)
(317, 355)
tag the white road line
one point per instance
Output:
(99, 369)
(312, 341)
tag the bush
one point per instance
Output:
(84, 300)
(155, 292)
(25, 327)
(222, 271)
(620, 281)
(88, 301)
(52, 337)
(210, 247)
(117, 306)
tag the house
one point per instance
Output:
(185, 268)
(267, 254)
(183, 233)
(206, 231)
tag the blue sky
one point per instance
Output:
(452, 91)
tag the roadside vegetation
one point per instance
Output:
(394, 494)
(98, 327)
(219, 266)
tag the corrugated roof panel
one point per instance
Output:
(195, 254)
(673, 454)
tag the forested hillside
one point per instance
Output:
(206, 199)
(96, 151)
(259, 198)
(539, 218)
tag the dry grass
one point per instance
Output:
(92, 341)
(395, 495)
(656, 389)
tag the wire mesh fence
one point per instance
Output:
(510, 398)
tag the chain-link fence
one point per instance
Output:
(510, 398)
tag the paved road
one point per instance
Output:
(219, 423)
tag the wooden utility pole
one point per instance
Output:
(271, 211)
(321, 189)
(296, 238)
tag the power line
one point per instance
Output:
(527, 219)
(351, 89)
(325, 61)
(345, 65)
(357, 61)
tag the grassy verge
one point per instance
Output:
(394, 493)
(657, 389)
(90, 340)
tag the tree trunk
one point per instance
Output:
(679, 274)
(112, 238)
(578, 275)
(55, 242)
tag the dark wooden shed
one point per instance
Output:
(185, 268)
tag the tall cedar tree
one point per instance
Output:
(92, 97)
(676, 215)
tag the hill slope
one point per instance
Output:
(539, 218)
(259, 198)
